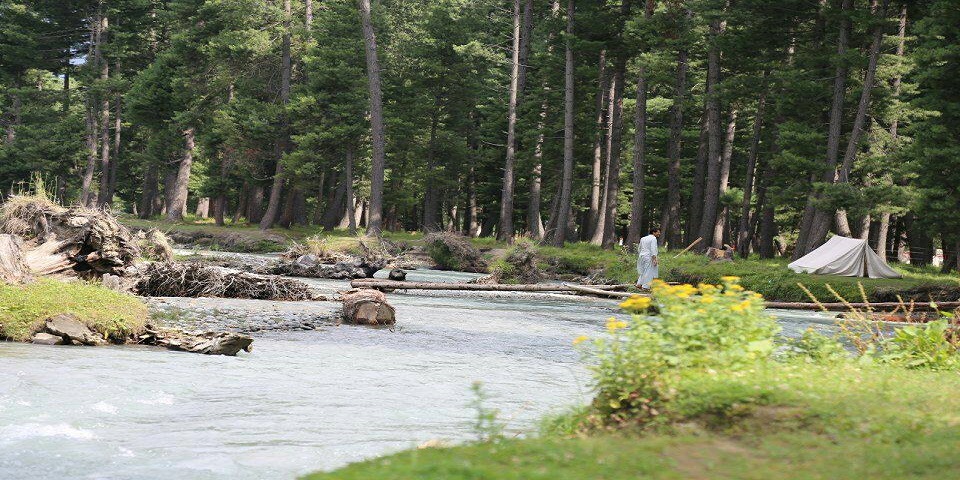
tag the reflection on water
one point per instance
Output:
(302, 400)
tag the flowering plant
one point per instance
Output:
(704, 327)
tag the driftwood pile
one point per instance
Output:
(13, 268)
(302, 261)
(73, 241)
(198, 280)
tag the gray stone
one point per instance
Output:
(44, 338)
(68, 327)
(308, 260)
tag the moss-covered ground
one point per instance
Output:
(24, 308)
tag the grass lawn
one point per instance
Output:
(794, 421)
(24, 308)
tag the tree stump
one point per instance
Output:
(13, 268)
(367, 307)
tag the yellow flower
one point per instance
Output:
(730, 279)
(741, 306)
(707, 288)
(613, 324)
(636, 304)
(580, 339)
(735, 287)
(708, 299)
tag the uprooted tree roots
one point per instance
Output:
(197, 280)
(72, 241)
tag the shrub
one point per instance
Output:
(930, 345)
(815, 347)
(706, 328)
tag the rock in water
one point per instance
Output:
(207, 343)
(398, 275)
(73, 330)
(44, 338)
(367, 307)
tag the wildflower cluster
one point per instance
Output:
(637, 364)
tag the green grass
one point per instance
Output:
(775, 281)
(24, 308)
(794, 421)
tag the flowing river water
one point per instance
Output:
(302, 400)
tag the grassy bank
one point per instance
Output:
(798, 421)
(771, 277)
(24, 308)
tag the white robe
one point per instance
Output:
(645, 267)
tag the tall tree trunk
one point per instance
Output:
(816, 224)
(283, 143)
(87, 195)
(505, 227)
(351, 200)
(616, 136)
(117, 125)
(884, 227)
(472, 224)
(860, 119)
(335, 207)
(699, 182)
(308, 13)
(725, 159)
(743, 231)
(431, 197)
(711, 203)
(150, 178)
(16, 106)
(377, 134)
(178, 197)
(566, 179)
(593, 214)
(671, 214)
(534, 217)
(104, 197)
(596, 237)
(526, 31)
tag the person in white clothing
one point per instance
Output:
(648, 261)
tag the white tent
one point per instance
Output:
(847, 257)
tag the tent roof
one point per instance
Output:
(843, 256)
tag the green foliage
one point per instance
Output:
(813, 346)
(486, 426)
(931, 345)
(24, 308)
(638, 366)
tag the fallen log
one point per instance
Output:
(207, 343)
(367, 307)
(474, 287)
(601, 293)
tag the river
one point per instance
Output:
(302, 400)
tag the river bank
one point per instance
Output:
(837, 422)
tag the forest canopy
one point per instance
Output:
(764, 125)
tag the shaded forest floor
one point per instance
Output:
(576, 261)
(793, 421)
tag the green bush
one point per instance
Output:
(931, 346)
(636, 368)
(815, 347)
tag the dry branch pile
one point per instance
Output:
(197, 280)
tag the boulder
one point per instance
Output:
(720, 255)
(397, 275)
(367, 307)
(73, 330)
(308, 260)
(207, 343)
(44, 338)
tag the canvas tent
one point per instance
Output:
(847, 257)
